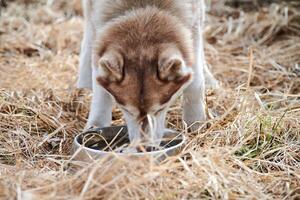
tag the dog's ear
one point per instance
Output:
(111, 66)
(171, 66)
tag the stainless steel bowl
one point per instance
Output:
(98, 143)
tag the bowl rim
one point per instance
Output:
(151, 153)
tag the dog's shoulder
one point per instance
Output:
(112, 9)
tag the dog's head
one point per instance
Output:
(144, 69)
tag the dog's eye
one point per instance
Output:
(160, 110)
(127, 111)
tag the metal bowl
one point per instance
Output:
(97, 143)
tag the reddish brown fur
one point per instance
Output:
(115, 8)
(144, 32)
(139, 37)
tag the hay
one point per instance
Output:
(248, 149)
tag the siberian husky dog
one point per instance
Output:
(143, 54)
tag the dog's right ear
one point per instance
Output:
(111, 66)
(171, 66)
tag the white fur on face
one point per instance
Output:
(153, 134)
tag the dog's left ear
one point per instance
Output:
(171, 66)
(111, 66)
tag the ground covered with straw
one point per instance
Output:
(248, 149)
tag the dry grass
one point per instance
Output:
(249, 149)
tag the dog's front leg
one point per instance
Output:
(101, 106)
(85, 61)
(194, 103)
(194, 95)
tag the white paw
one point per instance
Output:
(94, 124)
(194, 121)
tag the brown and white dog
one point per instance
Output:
(143, 54)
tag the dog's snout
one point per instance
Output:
(144, 123)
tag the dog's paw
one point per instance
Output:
(92, 125)
(195, 121)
